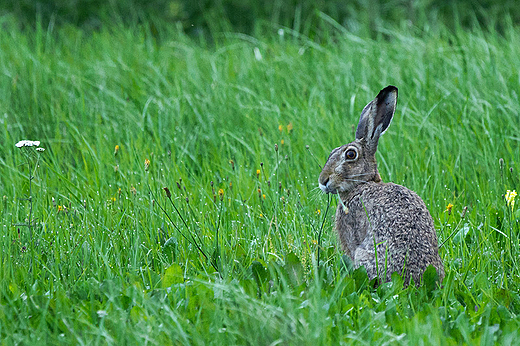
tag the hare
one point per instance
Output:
(382, 226)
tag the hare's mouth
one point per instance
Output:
(327, 188)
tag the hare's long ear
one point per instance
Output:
(376, 117)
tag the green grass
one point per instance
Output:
(105, 265)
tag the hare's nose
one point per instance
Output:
(323, 185)
(325, 182)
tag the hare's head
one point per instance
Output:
(355, 163)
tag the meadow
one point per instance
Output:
(239, 249)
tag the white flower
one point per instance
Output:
(281, 32)
(40, 149)
(26, 143)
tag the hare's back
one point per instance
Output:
(403, 230)
(400, 222)
(396, 208)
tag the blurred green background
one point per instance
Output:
(247, 16)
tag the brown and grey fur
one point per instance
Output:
(382, 226)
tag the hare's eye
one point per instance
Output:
(350, 154)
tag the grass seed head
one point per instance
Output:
(464, 212)
(167, 190)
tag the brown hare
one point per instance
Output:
(382, 226)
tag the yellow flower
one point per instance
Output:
(221, 192)
(280, 127)
(113, 199)
(60, 208)
(146, 164)
(257, 173)
(318, 211)
(263, 196)
(116, 150)
(282, 142)
(448, 208)
(510, 198)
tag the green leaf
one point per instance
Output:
(360, 277)
(169, 249)
(347, 265)
(260, 272)
(461, 234)
(294, 269)
(173, 275)
(430, 279)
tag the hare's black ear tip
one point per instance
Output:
(389, 89)
(384, 93)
